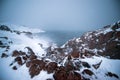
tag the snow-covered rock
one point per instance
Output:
(93, 56)
(105, 42)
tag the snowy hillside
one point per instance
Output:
(93, 56)
(17, 38)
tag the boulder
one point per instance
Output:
(5, 28)
(4, 55)
(51, 67)
(85, 64)
(112, 75)
(87, 71)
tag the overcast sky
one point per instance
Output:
(60, 14)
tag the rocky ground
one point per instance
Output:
(93, 56)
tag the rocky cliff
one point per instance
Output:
(103, 42)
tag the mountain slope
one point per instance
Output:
(104, 42)
(93, 56)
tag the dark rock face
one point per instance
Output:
(51, 67)
(14, 68)
(89, 72)
(112, 75)
(1, 43)
(18, 60)
(5, 28)
(62, 74)
(85, 64)
(75, 54)
(4, 37)
(74, 76)
(4, 55)
(17, 53)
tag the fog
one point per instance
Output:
(60, 14)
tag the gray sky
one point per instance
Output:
(60, 14)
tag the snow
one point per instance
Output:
(33, 30)
(107, 65)
(78, 40)
(116, 39)
(43, 76)
(23, 28)
(103, 31)
(83, 45)
(97, 40)
(21, 74)
(107, 30)
(19, 43)
(118, 29)
(95, 50)
(6, 73)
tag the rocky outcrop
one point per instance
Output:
(112, 74)
(35, 65)
(5, 28)
(4, 55)
(88, 72)
(104, 42)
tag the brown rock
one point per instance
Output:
(73, 76)
(28, 64)
(75, 54)
(33, 56)
(70, 76)
(89, 72)
(113, 50)
(22, 53)
(35, 67)
(108, 36)
(117, 35)
(24, 58)
(101, 38)
(51, 67)
(15, 53)
(34, 70)
(69, 67)
(60, 75)
(18, 60)
(62, 68)
(92, 43)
